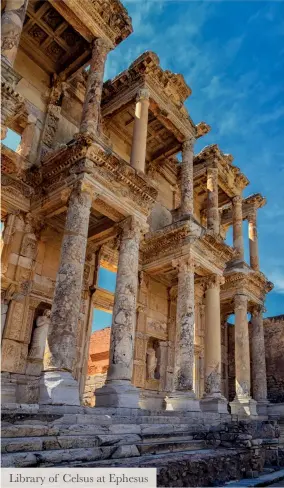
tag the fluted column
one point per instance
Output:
(253, 240)
(93, 96)
(139, 138)
(118, 390)
(183, 396)
(212, 200)
(11, 28)
(186, 206)
(242, 404)
(259, 382)
(57, 384)
(213, 399)
(238, 226)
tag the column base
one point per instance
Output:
(117, 393)
(244, 407)
(180, 400)
(214, 403)
(58, 388)
(262, 407)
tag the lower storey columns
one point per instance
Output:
(259, 384)
(57, 385)
(118, 390)
(243, 403)
(213, 399)
(183, 396)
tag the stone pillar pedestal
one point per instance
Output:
(253, 241)
(186, 206)
(238, 227)
(139, 141)
(118, 390)
(212, 200)
(57, 385)
(183, 396)
(92, 102)
(213, 399)
(11, 28)
(243, 404)
(259, 382)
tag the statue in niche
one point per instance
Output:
(36, 352)
(151, 363)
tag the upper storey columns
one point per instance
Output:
(92, 103)
(118, 391)
(186, 207)
(57, 385)
(253, 240)
(12, 25)
(238, 226)
(139, 141)
(213, 222)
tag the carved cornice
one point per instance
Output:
(253, 283)
(91, 157)
(249, 204)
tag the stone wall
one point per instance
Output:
(274, 347)
(99, 352)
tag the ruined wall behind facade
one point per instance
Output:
(274, 347)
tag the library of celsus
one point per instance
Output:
(105, 175)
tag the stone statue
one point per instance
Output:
(39, 337)
(151, 363)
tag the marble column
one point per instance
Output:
(253, 240)
(92, 102)
(57, 385)
(238, 226)
(259, 382)
(118, 390)
(11, 28)
(213, 399)
(212, 200)
(139, 138)
(186, 207)
(242, 404)
(183, 396)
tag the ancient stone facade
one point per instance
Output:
(96, 182)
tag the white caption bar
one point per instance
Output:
(79, 477)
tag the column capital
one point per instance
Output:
(257, 310)
(188, 144)
(184, 263)
(132, 227)
(240, 299)
(237, 199)
(213, 281)
(251, 217)
(143, 94)
(101, 45)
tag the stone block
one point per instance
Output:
(117, 394)
(182, 401)
(58, 388)
(14, 356)
(21, 444)
(125, 452)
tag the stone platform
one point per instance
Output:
(179, 445)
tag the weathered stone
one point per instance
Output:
(126, 451)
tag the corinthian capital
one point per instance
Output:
(185, 263)
(132, 228)
(101, 45)
(188, 145)
(213, 281)
(143, 94)
(237, 199)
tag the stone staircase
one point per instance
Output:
(52, 437)
(194, 447)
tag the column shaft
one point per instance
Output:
(212, 337)
(242, 353)
(212, 200)
(238, 226)
(139, 141)
(60, 351)
(186, 206)
(92, 102)
(183, 397)
(118, 390)
(258, 356)
(253, 241)
(12, 24)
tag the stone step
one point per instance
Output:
(163, 447)
(54, 429)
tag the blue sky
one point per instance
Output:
(231, 55)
